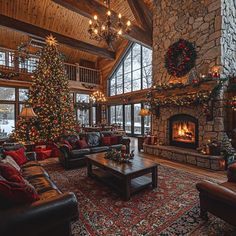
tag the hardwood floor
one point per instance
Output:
(216, 175)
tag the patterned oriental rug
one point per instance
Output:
(171, 209)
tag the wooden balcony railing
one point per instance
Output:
(74, 72)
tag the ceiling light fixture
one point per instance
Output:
(108, 30)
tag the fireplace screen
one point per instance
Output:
(183, 131)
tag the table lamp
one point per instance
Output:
(27, 112)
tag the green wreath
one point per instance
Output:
(180, 58)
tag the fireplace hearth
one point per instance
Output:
(183, 131)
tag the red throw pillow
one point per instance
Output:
(68, 144)
(114, 140)
(106, 141)
(18, 156)
(10, 173)
(82, 143)
(17, 192)
(43, 154)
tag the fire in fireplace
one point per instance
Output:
(183, 131)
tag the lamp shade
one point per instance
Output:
(27, 112)
(144, 112)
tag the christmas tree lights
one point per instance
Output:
(50, 99)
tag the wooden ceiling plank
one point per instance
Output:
(141, 13)
(90, 7)
(34, 30)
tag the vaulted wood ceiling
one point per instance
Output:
(38, 17)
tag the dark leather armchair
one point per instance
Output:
(219, 199)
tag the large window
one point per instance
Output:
(127, 116)
(134, 72)
(11, 103)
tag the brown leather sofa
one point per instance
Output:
(50, 215)
(219, 199)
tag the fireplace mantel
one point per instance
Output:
(205, 86)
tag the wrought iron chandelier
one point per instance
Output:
(108, 30)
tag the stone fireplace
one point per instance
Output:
(183, 131)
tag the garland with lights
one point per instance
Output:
(180, 58)
(171, 86)
(4, 75)
(200, 97)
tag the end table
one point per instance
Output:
(140, 142)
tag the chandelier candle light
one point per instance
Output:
(108, 30)
(98, 96)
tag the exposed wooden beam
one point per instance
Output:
(141, 13)
(36, 31)
(90, 7)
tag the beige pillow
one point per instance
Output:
(11, 161)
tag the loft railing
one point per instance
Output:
(75, 72)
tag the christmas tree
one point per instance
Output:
(50, 99)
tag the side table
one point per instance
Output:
(140, 142)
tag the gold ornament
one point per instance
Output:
(51, 41)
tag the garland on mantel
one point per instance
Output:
(170, 86)
(200, 97)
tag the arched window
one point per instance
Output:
(133, 73)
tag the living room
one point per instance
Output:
(117, 117)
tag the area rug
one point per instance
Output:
(171, 209)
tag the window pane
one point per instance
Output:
(112, 114)
(119, 115)
(113, 86)
(119, 85)
(23, 94)
(11, 59)
(82, 98)
(137, 119)
(83, 116)
(7, 119)
(120, 70)
(94, 115)
(136, 56)
(147, 76)
(127, 63)
(136, 80)
(147, 124)
(127, 83)
(2, 58)
(7, 94)
(147, 56)
(128, 118)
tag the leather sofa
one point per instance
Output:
(50, 215)
(76, 157)
(219, 199)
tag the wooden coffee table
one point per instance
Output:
(125, 178)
